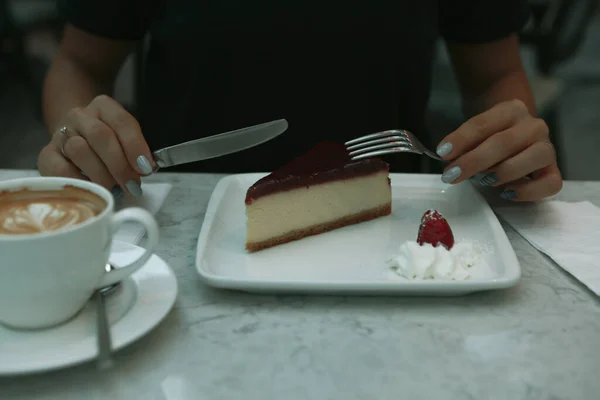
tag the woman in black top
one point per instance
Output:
(333, 70)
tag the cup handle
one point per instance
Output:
(143, 217)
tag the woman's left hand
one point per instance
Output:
(510, 147)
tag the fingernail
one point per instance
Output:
(444, 149)
(144, 165)
(508, 194)
(134, 188)
(489, 179)
(451, 175)
(117, 192)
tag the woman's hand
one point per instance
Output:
(101, 142)
(510, 147)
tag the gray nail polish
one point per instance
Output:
(117, 192)
(508, 194)
(134, 188)
(489, 179)
(444, 149)
(451, 175)
(144, 165)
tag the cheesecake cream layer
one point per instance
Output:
(280, 213)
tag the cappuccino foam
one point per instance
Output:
(28, 211)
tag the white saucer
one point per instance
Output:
(134, 309)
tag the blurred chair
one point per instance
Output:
(18, 19)
(557, 30)
(553, 35)
(139, 60)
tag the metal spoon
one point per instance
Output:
(103, 334)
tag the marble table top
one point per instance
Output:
(537, 340)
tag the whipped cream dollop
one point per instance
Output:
(419, 262)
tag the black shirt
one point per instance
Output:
(333, 70)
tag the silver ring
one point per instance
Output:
(63, 140)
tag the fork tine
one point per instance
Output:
(374, 136)
(419, 145)
(382, 152)
(411, 136)
(388, 139)
(396, 144)
(388, 142)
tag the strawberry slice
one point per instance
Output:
(434, 229)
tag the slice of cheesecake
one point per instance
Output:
(317, 192)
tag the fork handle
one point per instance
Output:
(433, 155)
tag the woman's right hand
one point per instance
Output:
(102, 143)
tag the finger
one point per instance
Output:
(547, 182)
(128, 132)
(105, 144)
(81, 154)
(534, 158)
(496, 149)
(477, 129)
(50, 162)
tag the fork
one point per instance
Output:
(387, 142)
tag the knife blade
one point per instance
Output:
(218, 145)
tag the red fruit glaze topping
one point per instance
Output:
(435, 230)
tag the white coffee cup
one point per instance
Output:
(46, 278)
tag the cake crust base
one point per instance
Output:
(321, 228)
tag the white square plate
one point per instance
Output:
(351, 260)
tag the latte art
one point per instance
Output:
(44, 217)
(35, 211)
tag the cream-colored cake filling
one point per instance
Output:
(274, 215)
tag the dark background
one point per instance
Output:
(560, 46)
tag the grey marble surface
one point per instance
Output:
(538, 340)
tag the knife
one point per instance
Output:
(218, 145)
